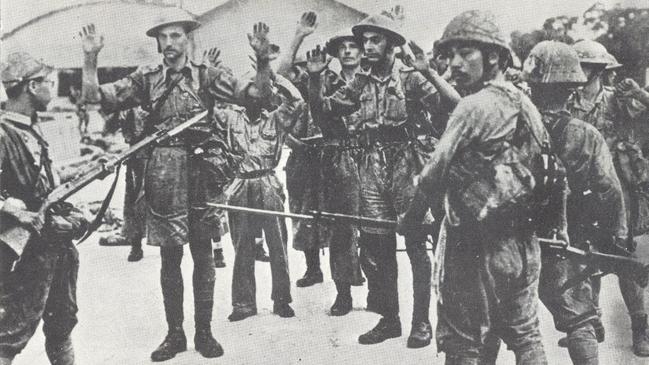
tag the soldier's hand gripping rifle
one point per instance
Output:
(621, 265)
(17, 237)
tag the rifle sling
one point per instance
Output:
(96, 223)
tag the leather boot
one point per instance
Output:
(343, 303)
(283, 310)
(136, 254)
(60, 352)
(205, 343)
(640, 335)
(174, 342)
(386, 328)
(421, 334)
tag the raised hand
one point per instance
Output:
(212, 56)
(627, 87)
(90, 41)
(259, 41)
(307, 24)
(417, 59)
(317, 60)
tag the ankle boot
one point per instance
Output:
(60, 352)
(174, 342)
(205, 343)
(386, 328)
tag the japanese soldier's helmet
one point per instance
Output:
(612, 62)
(473, 26)
(552, 62)
(591, 52)
(173, 16)
(380, 23)
(21, 66)
(335, 41)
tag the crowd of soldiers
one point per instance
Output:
(448, 147)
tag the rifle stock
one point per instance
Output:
(18, 236)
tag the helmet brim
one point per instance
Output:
(189, 25)
(395, 37)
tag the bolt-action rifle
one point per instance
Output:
(18, 236)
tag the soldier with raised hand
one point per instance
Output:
(177, 180)
(38, 280)
(617, 120)
(393, 101)
(491, 260)
(552, 71)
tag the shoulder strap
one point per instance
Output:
(156, 109)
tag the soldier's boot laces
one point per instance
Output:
(420, 335)
(174, 342)
(640, 335)
(309, 279)
(60, 352)
(386, 328)
(219, 260)
(206, 345)
(136, 254)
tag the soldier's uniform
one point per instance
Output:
(617, 120)
(390, 111)
(259, 143)
(492, 260)
(595, 200)
(182, 173)
(43, 281)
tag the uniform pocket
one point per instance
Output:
(368, 107)
(395, 108)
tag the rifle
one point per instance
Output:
(317, 216)
(17, 237)
(622, 266)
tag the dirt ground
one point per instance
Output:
(121, 318)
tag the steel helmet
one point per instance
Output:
(612, 62)
(473, 26)
(552, 62)
(380, 23)
(173, 16)
(591, 52)
(335, 41)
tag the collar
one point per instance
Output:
(190, 70)
(552, 116)
(18, 119)
(392, 77)
(580, 103)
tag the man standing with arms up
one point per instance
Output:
(492, 260)
(172, 92)
(392, 101)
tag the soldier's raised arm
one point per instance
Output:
(305, 27)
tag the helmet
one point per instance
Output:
(335, 41)
(591, 52)
(21, 66)
(473, 26)
(552, 62)
(173, 16)
(612, 62)
(380, 23)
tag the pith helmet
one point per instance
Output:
(173, 16)
(591, 52)
(21, 66)
(473, 26)
(552, 62)
(335, 41)
(381, 24)
(612, 62)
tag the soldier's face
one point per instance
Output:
(375, 46)
(41, 91)
(467, 65)
(349, 54)
(173, 42)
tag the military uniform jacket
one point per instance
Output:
(595, 190)
(25, 170)
(401, 99)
